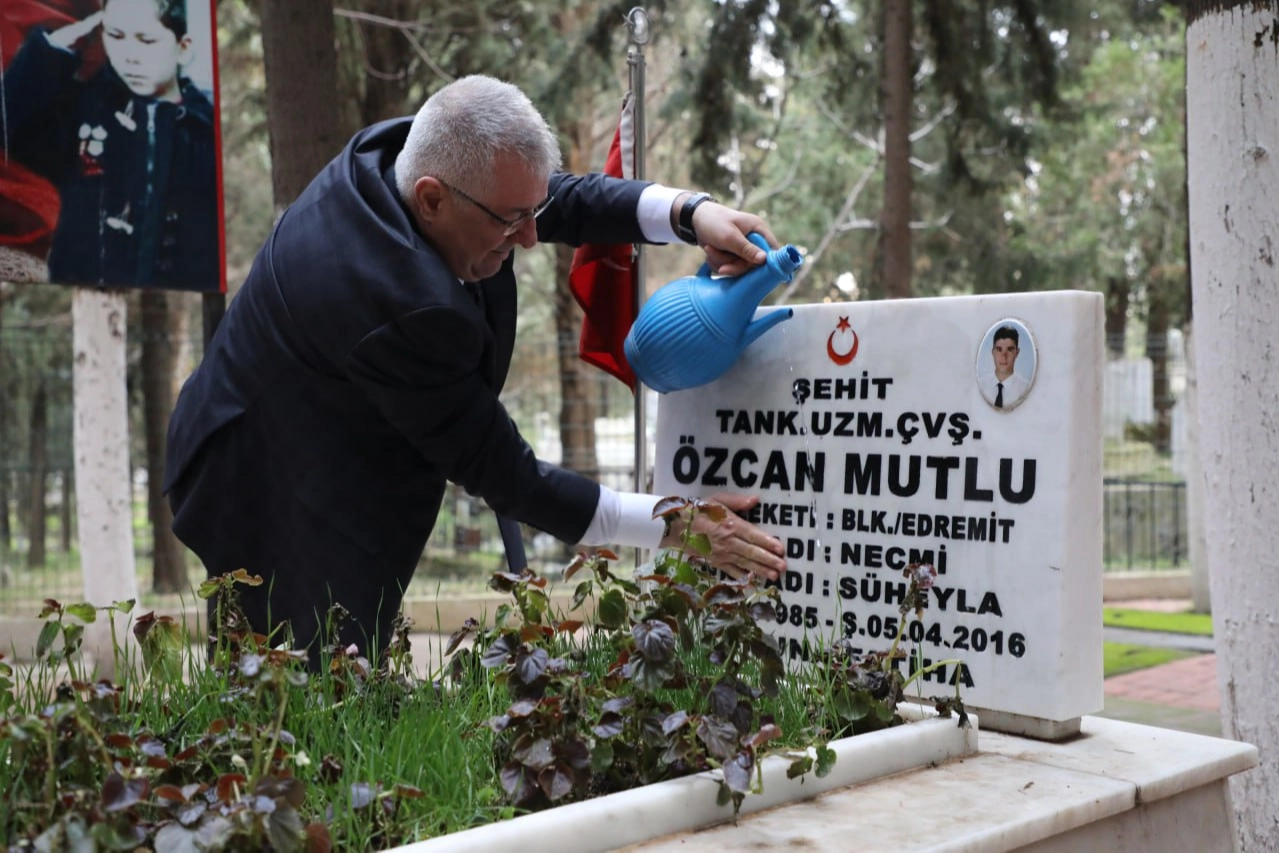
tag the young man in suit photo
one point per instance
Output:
(358, 368)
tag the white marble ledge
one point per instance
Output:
(1160, 762)
(1015, 792)
(978, 804)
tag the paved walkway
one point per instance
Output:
(1179, 695)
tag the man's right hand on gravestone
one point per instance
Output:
(738, 547)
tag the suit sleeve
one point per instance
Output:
(592, 208)
(422, 373)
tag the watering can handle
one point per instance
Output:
(755, 237)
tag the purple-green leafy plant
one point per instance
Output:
(678, 631)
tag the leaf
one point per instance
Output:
(330, 769)
(655, 640)
(213, 834)
(242, 576)
(189, 813)
(720, 737)
(723, 698)
(611, 612)
(455, 640)
(209, 588)
(700, 543)
(556, 781)
(519, 783)
(766, 732)
(800, 765)
(618, 704)
(408, 792)
(362, 794)
(318, 839)
(51, 606)
(723, 593)
(851, 705)
(601, 757)
(173, 838)
(170, 792)
(825, 760)
(647, 675)
(119, 794)
(228, 786)
(530, 665)
(118, 740)
(48, 633)
(674, 722)
(737, 772)
(522, 708)
(535, 753)
(568, 626)
(499, 651)
(607, 554)
(668, 505)
(713, 511)
(284, 829)
(610, 725)
(575, 565)
(581, 593)
(574, 752)
(125, 606)
(83, 611)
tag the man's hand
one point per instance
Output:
(737, 546)
(721, 232)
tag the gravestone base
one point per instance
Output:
(1037, 728)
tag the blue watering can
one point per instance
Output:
(692, 330)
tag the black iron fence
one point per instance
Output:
(1144, 524)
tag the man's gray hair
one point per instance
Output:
(461, 130)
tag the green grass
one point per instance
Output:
(1124, 657)
(1150, 620)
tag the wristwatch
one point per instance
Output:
(684, 227)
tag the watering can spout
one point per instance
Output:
(758, 327)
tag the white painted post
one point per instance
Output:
(101, 440)
(1232, 108)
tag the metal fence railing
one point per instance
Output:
(1145, 525)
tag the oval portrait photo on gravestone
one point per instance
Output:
(110, 169)
(1006, 363)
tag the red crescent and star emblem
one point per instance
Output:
(841, 358)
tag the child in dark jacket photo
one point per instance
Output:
(130, 146)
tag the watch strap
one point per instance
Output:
(684, 226)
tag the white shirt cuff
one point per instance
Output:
(654, 213)
(624, 519)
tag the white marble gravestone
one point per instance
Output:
(870, 432)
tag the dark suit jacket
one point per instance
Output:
(350, 378)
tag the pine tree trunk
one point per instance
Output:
(1157, 352)
(1232, 108)
(1117, 292)
(65, 512)
(895, 100)
(159, 363)
(301, 92)
(36, 509)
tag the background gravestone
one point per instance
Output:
(870, 432)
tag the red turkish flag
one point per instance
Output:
(602, 277)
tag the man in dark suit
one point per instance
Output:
(359, 366)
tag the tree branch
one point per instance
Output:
(849, 201)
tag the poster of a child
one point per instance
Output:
(109, 174)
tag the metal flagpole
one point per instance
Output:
(637, 23)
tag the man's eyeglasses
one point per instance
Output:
(509, 226)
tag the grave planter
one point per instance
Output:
(689, 803)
